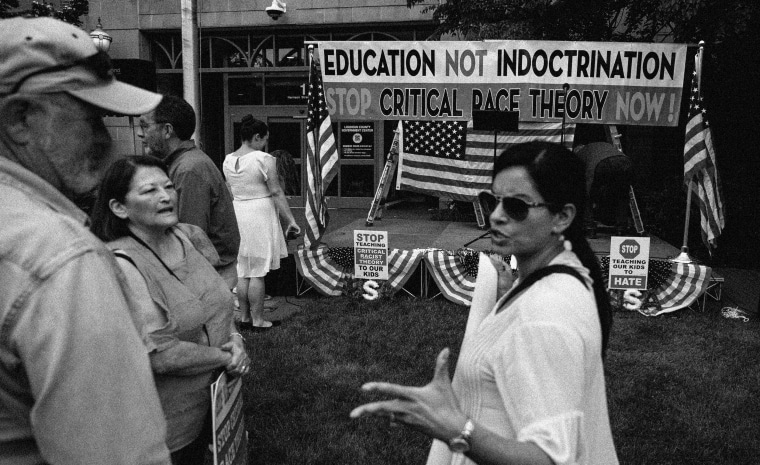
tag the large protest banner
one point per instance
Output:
(607, 82)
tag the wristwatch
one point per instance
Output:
(461, 443)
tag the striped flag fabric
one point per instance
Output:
(321, 159)
(328, 277)
(450, 159)
(401, 265)
(700, 167)
(671, 286)
(316, 267)
(680, 289)
(450, 275)
(685, 286)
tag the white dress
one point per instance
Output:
(262, 243)
(533, 372)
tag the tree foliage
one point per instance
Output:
(596, 20)
(71, 11)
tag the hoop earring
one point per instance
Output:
(566, 244)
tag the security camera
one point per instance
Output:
(276, 10)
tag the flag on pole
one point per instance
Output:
(449, 159)
(321, 157)
(700, 167)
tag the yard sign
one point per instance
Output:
(371, 254)
(629, 262)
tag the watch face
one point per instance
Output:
(459, 445)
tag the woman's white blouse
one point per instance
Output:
(247, 174)
(533, 372)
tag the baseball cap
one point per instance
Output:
(45, 55)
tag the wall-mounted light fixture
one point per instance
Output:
(101, 38)
(276, 10)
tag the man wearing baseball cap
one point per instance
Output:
(75, 381)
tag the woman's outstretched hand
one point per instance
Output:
(432, 409)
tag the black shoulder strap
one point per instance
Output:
(120, 253)
(158, 257)
(537, 275)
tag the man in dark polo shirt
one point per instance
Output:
(202, 194)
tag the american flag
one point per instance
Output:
(322, 159)
(449, 159)
(700, 167)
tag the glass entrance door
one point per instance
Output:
(287, 126)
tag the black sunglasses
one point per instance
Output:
(516, 208)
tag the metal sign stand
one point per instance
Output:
(480, 215)
(384, 186)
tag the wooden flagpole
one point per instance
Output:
(684, 257)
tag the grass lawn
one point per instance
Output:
(682, 389)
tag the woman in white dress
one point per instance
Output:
(529, 383)
(259, 204)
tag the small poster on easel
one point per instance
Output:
(629, 263)
(230, 438)
(371, 254)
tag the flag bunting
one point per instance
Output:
(674, 289)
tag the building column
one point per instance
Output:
(191, 61)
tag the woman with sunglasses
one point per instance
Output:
(529, 384)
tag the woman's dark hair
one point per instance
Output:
(250, 126)
(115, 185)
(286, 170)
(559, 176)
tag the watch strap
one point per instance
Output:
(461, 443)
